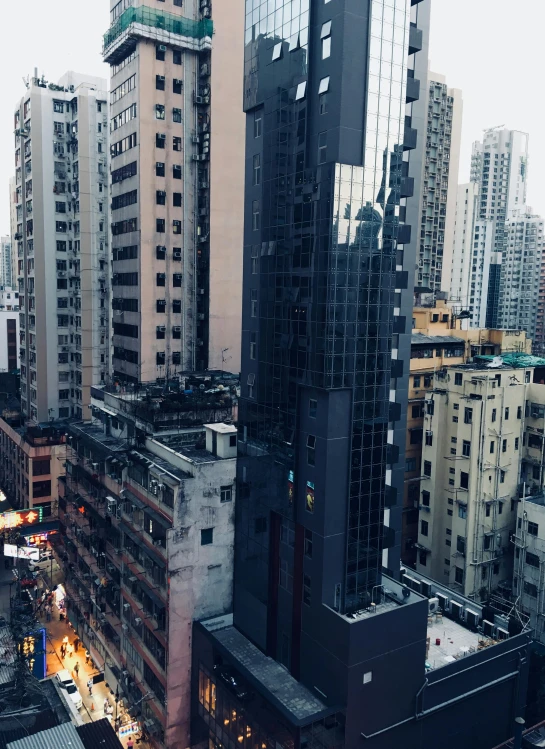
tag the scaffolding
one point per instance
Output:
(159, 20)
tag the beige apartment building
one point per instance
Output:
(177, 174)
(471, 462)
(61, 236)
(439, 340)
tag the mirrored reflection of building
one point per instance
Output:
(321, 624)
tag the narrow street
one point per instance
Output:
(94, 703)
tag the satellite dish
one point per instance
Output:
(497, 361)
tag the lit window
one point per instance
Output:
(324, 85)
(277, 51)
(301, 91)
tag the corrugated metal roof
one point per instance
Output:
(99, 734)
(417, 338)
(64, 735)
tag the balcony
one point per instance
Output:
(409, 138)
(147, 22)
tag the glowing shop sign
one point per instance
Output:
(20, 518)
(127, 728)
(22, 552)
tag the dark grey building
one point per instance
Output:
(325, 646)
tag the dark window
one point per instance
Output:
(177, 117)
(41, 467)
(177, 89)
(533, 529)
(160, 82)
(177, 227)
(226, 493)
(426, 498)
(459, 575)
(160, 50)
(492, 444)
(519, 412)
(493, 414)
(160, 169)
(257, 169)
(160, 225)
(530, 589)
(177, 171)
(427, 468)
(458, 378)
(160, 197)
(466, 448)
(468, 415)
(177, 143)
(416, 412)
(504, 446)
(506, 414)
(323, 104)
(177, 279)
(312, 408)
(306, 589)
(532, 559)
(160, 252)
(464, 480)
(177, 54)
(424, 527)
(160, 279)
(177, 199)
(422, 558)
(416, 381)
(160, 305)
(308, 543)
(160, 140)
(41, 489)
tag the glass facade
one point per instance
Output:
(321, 255)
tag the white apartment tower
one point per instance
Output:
(177, 176)
(6, 278)
(499, 166)
(61, 233)
(471, 463)
(444, 127)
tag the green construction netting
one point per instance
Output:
(516, 359)
(159, 20)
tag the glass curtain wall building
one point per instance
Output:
(323, 247)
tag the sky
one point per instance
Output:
(486, 48)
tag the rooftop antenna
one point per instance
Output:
(488, 130)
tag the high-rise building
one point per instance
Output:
(177, 156)
(6, 277)
(61, 204)
(444, 129)
(474, 417)
(13, 227)
(321, 620)
(520, 281)
(499, 166)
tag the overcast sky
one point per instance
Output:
(493, 54)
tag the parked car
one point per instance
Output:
(67, 682)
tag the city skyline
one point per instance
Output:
(510, 101)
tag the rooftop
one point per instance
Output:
(420, 338)
(64, 735)
(99, 733)
(293, 699)
(449, 641)
(97, 434)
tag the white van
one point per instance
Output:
(66, 681)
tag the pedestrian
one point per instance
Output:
(48, 613)
(90, 687)
(106, 704)
(130, 744)
(76, 644)
(76, 669)
(87, 656)
(65, 639)
(63, 650)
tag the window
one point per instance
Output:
(427, 468)
(502, 477)
(324, 86)
(160, 331)
(277, 51)
(177, 280)
(301, 91)
(177, 226)
(516, 443)
(160, 169)
(60, 226)
(176, 171)
(160, 279)
(285, 576)
(424, 527)
(177, 143)
(429, 438)
(226, 493)
(322, 148)
(256, 216)
(177, 116)
(468, 415)
(253, 345)
(458, 378)
(410, 465)
(462, 511)
(416, 381)
(160, 225)
(531, 559)
(492, 446)
(416, 436)
(506, 414)
(177, 89)
(530, 589)
(308, 543)
(177, 54)
(466, 448)
(504, 446)
(323, 104)
(306, 589)
(426, 498)
(312, 408)
(464, 480)
(257, 169)
(124, 200)
(160, 50)
(519, 412)
(160, 84)
(533, 529)
(160, 140)
(326, 48)
(416, 412)
(207, 536)
(159, 112)
(258, 124)
(493, 414)
(177, 199)
(160, 305)
(260, 525)
(311, 450)
(459, 575)
(58, 106)
(253, 303)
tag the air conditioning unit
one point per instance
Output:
(433, 605)
(196, 157)
(195, 139)
(162, 48)
(177, 255)
(137, 620)
(126, 606)
(125, 627)
(160, 77)
(207, 13)
(205, 69)
(111, 506)
(198, 99)
(161, 136)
